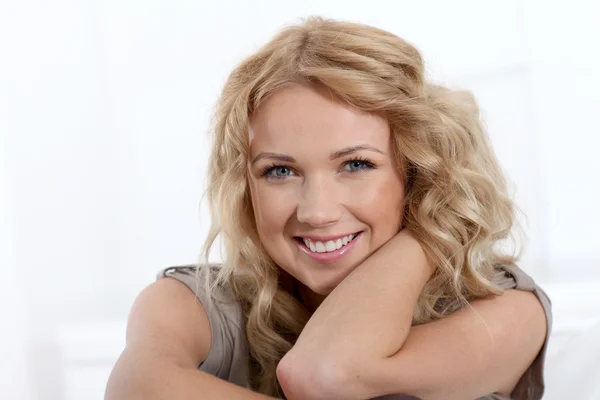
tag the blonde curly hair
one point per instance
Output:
(457, 204)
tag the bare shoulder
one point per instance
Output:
(168, 332)
(167, 318)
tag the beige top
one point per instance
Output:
(228, 355)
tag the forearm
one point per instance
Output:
(476, 351)
(348, 352)
(151, 380)
(365, 320)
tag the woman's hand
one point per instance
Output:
(364, 320)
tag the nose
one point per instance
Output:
(319, 204)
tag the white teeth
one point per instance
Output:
(320, 247)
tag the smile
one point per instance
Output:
(317, 246)
(329, 250)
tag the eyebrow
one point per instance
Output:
(335, 155)
(353, 149)
(273, 156)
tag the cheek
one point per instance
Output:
(272, 209)
(381, 206)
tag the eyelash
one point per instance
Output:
(265, 171)
(366, 161)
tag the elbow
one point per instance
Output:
(305, 377)
(311, 376)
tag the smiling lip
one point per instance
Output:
(328, 257)
(325, 238)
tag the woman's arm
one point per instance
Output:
(364, 321)
(168, 336)
(473, 352)
(354, 345)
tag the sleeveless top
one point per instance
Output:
(229, 355)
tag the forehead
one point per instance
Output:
(298, 115)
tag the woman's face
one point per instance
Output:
(326, 190)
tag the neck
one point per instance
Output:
(309, 299)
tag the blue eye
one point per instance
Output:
(276, 172)
(281, 171)
(358, 165)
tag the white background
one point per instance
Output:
(104, 109)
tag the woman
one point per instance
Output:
(361, 210)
